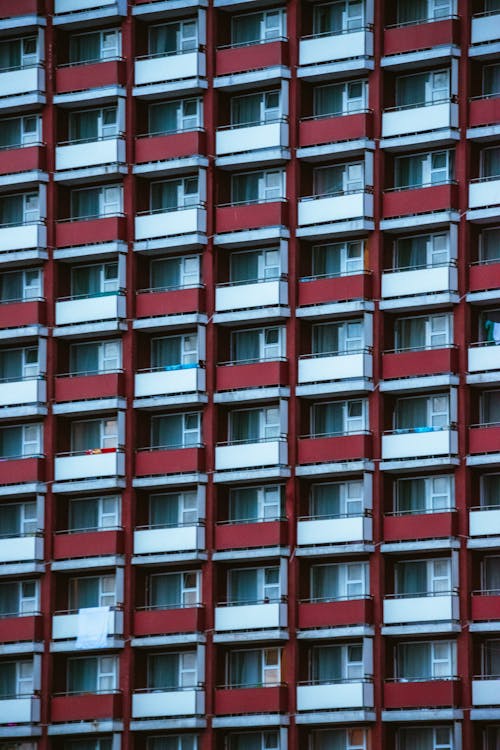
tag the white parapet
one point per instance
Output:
(187, 702)
(170, 223)
(243, 296)
(177, 539)
(420, 281)
(322, 49)
(90, 154)
(90, 309)
(316, 369)
(251, 455)
(321, 210)
(334, 696)
(334, 530)
(416, 444)
(160, 69)
(408, 609)
(251, 616)
(237, 140)
(85, 466)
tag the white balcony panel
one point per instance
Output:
(247, 455)
(22, 392)
(170, 223)
(238, 140)
(486, 692)
(169, 68)
(251, 617)
(66, 626)
(485, 29)
(24, 81)
(72, 6)
(420, 281)
(335, 367)
(323, 49)
(421, 609)
(21, 549)
(334, 696)
(78, 155)
(188, 702)
(23, 237)
(484, 358)
(163, 383)
(90, 309)
(334, 531)
(67, 468)
(177, 539)
(484, 522)
(420, 119)
(484, 193)
(335, 208)
(25, 710)
(415, 444)
(243, 296)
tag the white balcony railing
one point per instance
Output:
(484, 192)
(90, 153)
(484, 521)
(157, 702)
(239, 139)
(23, 236)
(263, 293)
(336, 695)
(90, 309)
(165, 382)
(23, 391)
(318, 368)
(24, 709)
(315, 531)
(65, 626)
(485, 28)
(404, 121)
(408, 282)
(26, 548)
(150, 541)
(251, 616)
(189, 220)
(484, 357)
(23, 81)
(321, 209)
(168, 68)
(326, 48)
(486, 691)
(244, 455)
(422, 441)
(425, 608)
(89, 465)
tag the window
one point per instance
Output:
(424, 494)
(343, 739)
(254, 667)
(94, 434)
(94, 513)
(490, 407)
(422, 413)
(338, 418)
(422, 88)
(489, 245)
(16, 210)
(255, 265)
(173, 194)
(18, 53)
(254, 585)
(175, 273)
(336, 499)
(20, 131)
(21, 441)
(421, 251)
(344, 337)
(173, 590)
(255, 109)
(252, 425)
(258, 344)
(336, 99)
(174, 351)
(18, 519)
(490, 163)
(92, 674)
(335, 663)
(491, 658)
(175, 117)
(95, 357)
(88, 281)
(342, 178)
(424, 332)
(252, 28)
(173, 509)
(16, 679)
(172, 671)
(20, 286)
(255, 187)
(490, 575)
(491, 738)
(423, 577)
(422, 170)
(18, 598)
(173, 38)
(490, 491)
(415, 11)
(93, 591)
(173, 742)
(491, 80)
(425, 738)
(338, 17)
(99, 743)
(94, 46)
(93, 124)
(250, 504)
(339, 581)
(19, 364)
(428, 660)
(176, 430)
(93, 203)
(338, 259)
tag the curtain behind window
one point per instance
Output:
(245, 668)
(85, 48)
(328, 420)
(164, 195)
(84, 593)
(411, 578)
(246, 346)
(10, 133)
(326, 664)
(11, 210)
(329, 180)
(245, 188)
(411, 252)
(490, 496)
(243, 505)
(491, 80)
(411, 496)
(167, 432)
(410, 171)
(166, 591)
(85, 204)
(164, 510)
(164, 40)
(491, 407)
(163, 671)
(243, 589)
(84, 359)
(82, 675)
(8, 682)
(165, 273)
(327, 19)
(410, 90)
(244, 267)
(411, 333)
(245, 110)
(411, 413)
(166, 352)
(325, 500)
(246, 29)
(328, 100)
(11, 365)
(10, 516)
(326, 339)
(163, 118)
(85, 436)
(491, 162)
(83, 126)
(326, 261)
(491, 574)
(11, 286)
(9, 599)
(414, 661)
(325, 582)
(11, 442)
(245, 426)
(411, 11)
(10, 55)
(83, 515)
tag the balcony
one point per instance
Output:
(484, 357)
(232, 142)
(484, 521)
(160, 73)
(315, 532)
(484, 282)
(485, 691)
(484, 439)
(251, 454)
(156, 148)
(232, 535)
(85, 310)
(101, 79)
(414, 201)
(233, 376)
(329, 291)
(340, 612)
(23, 159)
(247, 57)
(162, 540)
(91, 231)
(65, 626)
(148, 704)
(419, 124)
(417, 443)
(103, 463)
(484, 33)
(344, 694)
(22, 88)
(261, 295)
(251, 700)
(258, 616)
(69, 545)
(21, 628)
(23, 237)
(21, 470)
(315, 369)
(484, 200)
(156, 303)
(485, 605)
(421, 36)
(110, 385)
(330, 209)
(107, 153)
(341, 448)
(418, 363)
(167, 225)
(21, 549)
(15, 8)
(156, 462)
(23, 709)
(424, 693)
(406, 609)
(346, 51)
(29, 313)
(238, 217)
(399, 285)
(412, 526)
(484, 116)
(157, 621)
(71, 12)
(318, 131)
(22, 392)
(88, 707)
(184, 380)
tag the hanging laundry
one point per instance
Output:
(492, 330)
(92, 627)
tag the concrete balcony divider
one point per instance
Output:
(169, 382)
(90, 309)
(27, 548)
(65, 626)
(26, 391)
(335, 47)
(312, 532)
(89, 465)
(90, 154)
(414, 444)
(23, 237)
(333, 696)
(176, 539)
(427, 608)
(250, 616)
(189, 220)
(251, 454)
(182, 702)
(322, 209)
(242, 296)
(163, 68)
(403, 121)
(235, 140)
(318, 368)
(409, 282)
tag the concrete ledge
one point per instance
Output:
(182, 85)
(335, 717)
(485, 714)
(336, 228)
(257, 158)
(185, 722)
(69, 646)
(165, 7)
(415, 464)
(170, 480)
(84, 563)
(175, 639)
(335, 69)
(484, 459)
(251, 721)
(425, 628)
(354, 548)
(26, 410)
(251, 236)
(30, 488)
(421, 221)
(169, 558)
(267, 75)
(171, 166)
(422, 545)
(23, 332)
(85, 727)
(101, 95)
(99, 250)
(430, 138)
(85, 330)
(73, 176)
(424, 714)
(251, 394)
(255, 315)
(491, 626)
(20, 730)
(484, 542)
(89, 485)
(485, 214)
(419, 301)
(251, 474)
(335, 467)
(316, 153)
(259, 553)
(251, 636)
(34, 567)
(421, 58)
(332, 309)
(186, 241)
(181, 399)
(353, 385)
(22, 647)
(166, 321)
(84, 407)
(23, 179)
(408, 385)
(351, 631)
